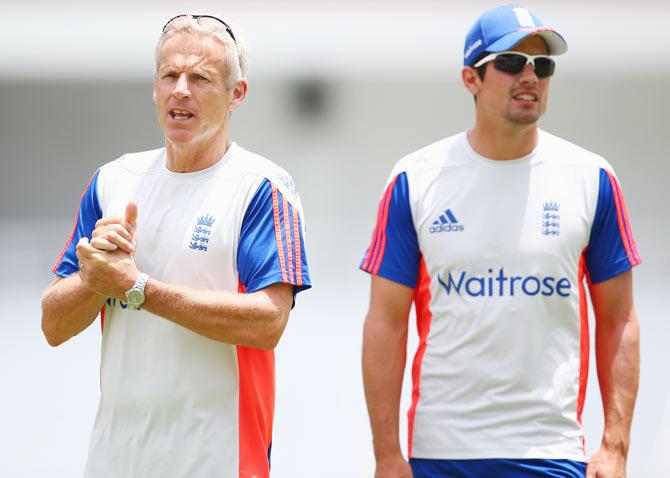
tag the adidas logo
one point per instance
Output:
(447, 222)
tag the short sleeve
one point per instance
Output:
(271, 248)
(394, 249)
(88, 214)
(611, 249)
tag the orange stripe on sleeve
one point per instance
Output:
(376, 233)
(280, 246)
(385, 217)
(289, 248)
(380, 231)
(620, 219)
(626, 222)
(298, 258)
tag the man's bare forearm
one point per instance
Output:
(254, 320)
(68, 307)
(384, 352)
(618, 362)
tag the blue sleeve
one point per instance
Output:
(88, 214)
(394, 250)
(611, 249)
(271, 248)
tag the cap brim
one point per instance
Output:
(555, 42)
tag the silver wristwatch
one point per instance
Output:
(135, 295)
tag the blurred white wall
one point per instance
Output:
(338, 93)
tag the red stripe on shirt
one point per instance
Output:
(256, 408)
(626, 222)
(289, 242)
(377, 231)
(376, 251)
(298, 257)
(385, 219)
(621, 219)
(280, 245)
(375, 234)
(583, 342)
(424, 318)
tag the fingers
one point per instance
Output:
(129, 221)
(82, 244)
(105, 221)
(84, 250)
(111, 237)
(103, 244)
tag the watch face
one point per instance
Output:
(135, 298)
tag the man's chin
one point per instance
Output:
(525, 116)
(180, 137)
(524, 119)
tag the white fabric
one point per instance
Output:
(169, 402)
(500, 375)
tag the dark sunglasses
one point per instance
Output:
(514, 62)
(200, 19)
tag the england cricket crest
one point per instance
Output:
(201, 233)
(551, 219)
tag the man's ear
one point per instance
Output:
(471, 80)
(239, 93)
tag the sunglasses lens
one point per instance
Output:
(544, 67)
(510, 63)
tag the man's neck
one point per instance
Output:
(505, 142)
(190, 158)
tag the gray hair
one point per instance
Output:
(235, 57)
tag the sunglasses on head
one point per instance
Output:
(514, 62)
(203, 20)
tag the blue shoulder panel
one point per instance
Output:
(271, 248)
(88, 215)
(611, 249)
(394, 250)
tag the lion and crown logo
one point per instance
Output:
(202, 232)
(551, 219)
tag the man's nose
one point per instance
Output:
(181, 90)
(528, 74)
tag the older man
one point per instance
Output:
(192, 254)
(492, 234)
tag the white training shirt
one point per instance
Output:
(175, 403)
(497, 252)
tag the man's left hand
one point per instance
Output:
(108, 273)
(607, 464)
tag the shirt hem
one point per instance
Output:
(510, 454)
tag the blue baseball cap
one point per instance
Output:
(499, 29)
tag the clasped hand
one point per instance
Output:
(106, 263)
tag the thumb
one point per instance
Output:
(131, 215)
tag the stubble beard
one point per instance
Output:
(524, 118)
